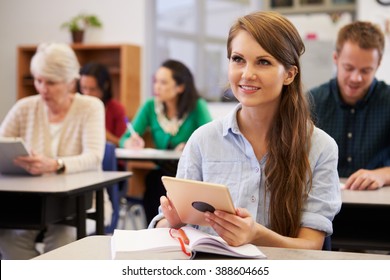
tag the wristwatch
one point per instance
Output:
(60, 166)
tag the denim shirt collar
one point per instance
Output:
(230, 121)
(361, 103)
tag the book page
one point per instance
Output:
(204, 242)
(154, 243)
(157, 239)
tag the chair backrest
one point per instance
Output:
(110, 164)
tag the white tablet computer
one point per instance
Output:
(10, 148)
(192, 198)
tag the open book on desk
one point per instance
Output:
(158, 243)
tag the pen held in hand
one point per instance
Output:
(135, 141)
(130, 127)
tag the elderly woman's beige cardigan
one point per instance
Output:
(82, 138)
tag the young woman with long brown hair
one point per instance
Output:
(281, 170)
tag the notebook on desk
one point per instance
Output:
(11, 148)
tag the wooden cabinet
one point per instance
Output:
(310, 6)
(123, 62)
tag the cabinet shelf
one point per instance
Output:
(310, 6)
(123, 62)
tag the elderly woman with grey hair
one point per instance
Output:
(63, 130)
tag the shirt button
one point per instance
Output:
(349, 159)
(352, 111)
(349, 135)
(257, 169)
(253, 198)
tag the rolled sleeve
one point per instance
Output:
(324, 198)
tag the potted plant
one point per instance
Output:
(78, 24)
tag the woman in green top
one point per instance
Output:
(172, 116)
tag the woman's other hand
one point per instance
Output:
(172, 218)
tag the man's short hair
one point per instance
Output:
(366, 34)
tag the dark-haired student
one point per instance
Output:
(95, 81)
(174, 113)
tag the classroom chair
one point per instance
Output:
(132, 214)
(110, 164)
(125, 209)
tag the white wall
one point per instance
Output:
(318, 50)
(32, 22)
(372, 11)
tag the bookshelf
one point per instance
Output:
(122, 60)
(289, 7)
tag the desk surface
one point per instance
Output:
(147, 154)
(98, 248)
(52, 198)
(63, 184)
(375, 197)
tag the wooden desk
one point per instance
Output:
(32, 202)
(99, 248)
(362, 223)
(147, 154)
